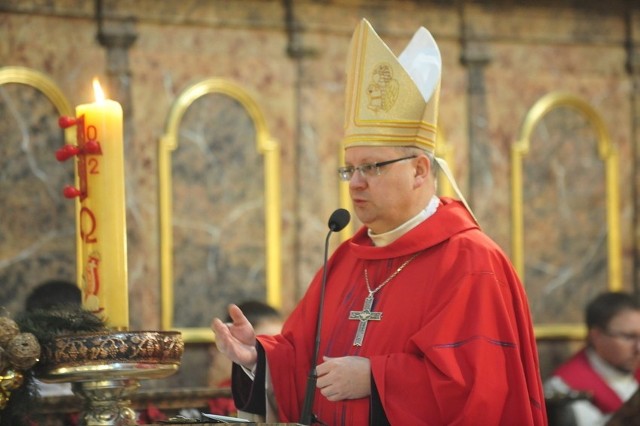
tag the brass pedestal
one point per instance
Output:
(105, 369)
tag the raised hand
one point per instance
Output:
(236, 340)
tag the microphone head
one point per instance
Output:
(339, 219)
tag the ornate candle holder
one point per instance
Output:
(105, 368)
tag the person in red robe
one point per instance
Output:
(424, 319)
(607, 369)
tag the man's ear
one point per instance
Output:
(594, 335)
(422, 171)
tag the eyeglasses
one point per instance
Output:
(368, 169)
(627, 337)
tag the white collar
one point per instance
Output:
(605, 369)
(386, 238)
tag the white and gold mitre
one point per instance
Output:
(389, 100)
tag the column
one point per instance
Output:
(117, 37)
(475, 57)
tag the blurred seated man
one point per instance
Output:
(608, 368)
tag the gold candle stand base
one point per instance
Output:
(105, 368)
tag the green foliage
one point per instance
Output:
(47, 324)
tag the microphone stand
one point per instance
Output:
(307, 416)
(337, 222)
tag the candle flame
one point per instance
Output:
(97, 90)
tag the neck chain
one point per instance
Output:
(392, 276)
(366, 314)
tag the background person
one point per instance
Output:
(54, 294)
(608, 366)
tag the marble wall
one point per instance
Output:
(499, 59)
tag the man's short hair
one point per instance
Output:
(54, 294)
(605, 306)
(412, 150)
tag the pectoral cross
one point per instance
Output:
(364, 316)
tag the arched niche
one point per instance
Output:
(238, 99)
(38, 223)
(606, 155)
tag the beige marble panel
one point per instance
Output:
(218, 212)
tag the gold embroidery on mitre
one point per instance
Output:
(383, 88)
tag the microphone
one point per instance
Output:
(338, 220)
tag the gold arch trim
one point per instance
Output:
(268, 147)
(608, 153)
(42, 82)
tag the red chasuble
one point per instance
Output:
(454, 346)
